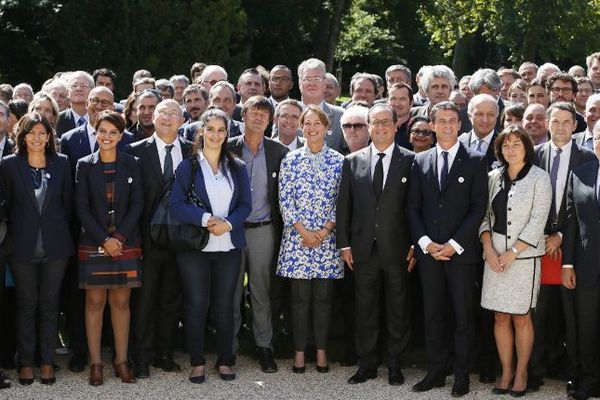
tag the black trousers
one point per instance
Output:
(157, 306)
(443, 280)
(37, 287)
(75, 310)
(587, 304)
(369, 278)
(317, 293)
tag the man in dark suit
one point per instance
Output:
(158, 301)
(483, 81)
(483, 113)
(264, 224)
(372, 233)
(7, 146)
(561, 86)
(447, 201)
(592, 115)
(552, 327)
(437, 82)
(79, 84)
(580, 271)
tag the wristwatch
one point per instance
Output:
(514, 250)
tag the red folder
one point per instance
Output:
(551, 270)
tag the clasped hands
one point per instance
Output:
(113, 247)
(498, 263)
(313, 238)
(440, 252)
(217, 226)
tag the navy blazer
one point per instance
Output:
(92, 205)
(490, 154)
(24, 217)
(66, 122)
(239, 209)
(582, 233)
(75, 144)
(455, 211)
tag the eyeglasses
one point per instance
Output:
(212, 82)
(312, 79)
(289, 116)
(104, 103)
(78, 86)
(565, 90)
(279, 79)
(384, 122)
(421, 132)
(358, 125)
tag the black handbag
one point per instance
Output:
(168, 232)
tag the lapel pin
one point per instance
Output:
(129, 180)
(404, 179)
(274, 175)
(461, 179)
(47, 175)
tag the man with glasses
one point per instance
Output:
(79, 84)
(354, 126)
(211, 75)
(280, 84)
(400, 98)
(563, 87)
(287, 124)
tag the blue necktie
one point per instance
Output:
(81, 121)
(444, 173)
(478, 148)
(553, 177)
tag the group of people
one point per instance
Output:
(486, 188)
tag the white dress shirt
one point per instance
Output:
(91, 132)
(176, 152)
(485, 141)
(387, 159)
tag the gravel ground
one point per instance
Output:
(250, 384)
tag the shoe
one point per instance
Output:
(499, 391)
(225, 377)
(581, 395)
(198, 379)
(266, 360)
(25, 371)
(96, 374)
(77, 363)
(460, 387)
(48, 370)
(362, 375)
(141, 370)
(517, 393)
(323, 370)
(123, 371)
(298, 370)
(429, 382)
(571, 386)
(166, 364)
(5, 382)
(534, 382)
(395, 377)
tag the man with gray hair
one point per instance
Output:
(592, 115)
(355, 127)
(528, 71)
(546, 70)
(180, 82)
(397, 73)
(437, 82)
(487, 81)
(211, 75)
(483, 112)
(166, 88)
(420, 98)
(363, 87)
(311, 76)
(79, 84)
(593, 69)
(23, 91)
(332, 89)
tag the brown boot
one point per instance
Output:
(123, 371)
(96, 374)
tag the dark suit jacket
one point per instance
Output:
(66, 122)
(490, 155)
(455, 211)
(362, 220)
(239, 208)
(9, 147)
(579, 136)
(152, 178)
(543, 156)
(582, 231)
(92, 205)
(465, 122)
(75, 144)
(24, 217)
(274, 154)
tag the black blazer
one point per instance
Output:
(274, 154)
(361, 220)
(9, 147)
(66, 122)
(24, 218)
(92, 206)
(465, 121)
(152, 179)
(543, 156)
(579, 136)
(582, 231)
(455, 211)
(490, 155)
(75, 144)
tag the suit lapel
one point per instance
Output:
(97, 176)
(456, 165)
(393, 171)
(152, 148)
(28, 182)
(546, 157)
(433, 170)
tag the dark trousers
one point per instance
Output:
(368, 281)
(442, 281)
(317, 293)
(348, 299)
(209, 278)
(37, 287)
(572, 365)
(548, 323)
(75, 310)
(157, 306)
(587, 303)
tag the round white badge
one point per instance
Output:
(461, 179)
(404, 179)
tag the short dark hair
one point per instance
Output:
(18, 107)
(519, 132)
(6, 92)
(417, 118)
(26, 124)
(561, 76)
(516, 110)
(195, 88)
(260, 103)
(105, 72)
(198, 67)
(113, 117)
(402, 85)
(384, 106)
(562, 105)
(364, 75)
(444, 105)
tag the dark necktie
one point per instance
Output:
(81, 121)
(553, 177)
(444, 173)
(378, 176)
(168, 167)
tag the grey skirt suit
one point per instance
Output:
(515, 290)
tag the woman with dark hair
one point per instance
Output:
(45, 104)
(17, 109)
(309, 182)
(512, 234)
(421, 137)
(130, 111)
(512, 115)
(109, 205)
(38, 192)
(209, 276)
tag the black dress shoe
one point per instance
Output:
(298, 370)
(323, 370)
(571, 386)
(48, 381)
(395, 377)
(166, 364)
(499, 391)
(517, 393)
(460, 387)
(362, 375)
(4, 381)
(198, 379)
(429, 382)
(141, 370)
(25, 381)
(266, 360)
(77, 363)
(579, 395)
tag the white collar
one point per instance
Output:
(451, 151)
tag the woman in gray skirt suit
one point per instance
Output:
(512, 234)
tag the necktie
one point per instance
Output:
(378, 176)
(81, 121)
(444, 173)
(553, 177)
(478, 148)
(589, 143)
(168, 165)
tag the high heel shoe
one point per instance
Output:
(96, 374)
(225, 376)
(323, 370)
(123, 371)
(298, 370)
(198, 379)
(44, 371)
(26, 381)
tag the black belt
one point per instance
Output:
(250, 225)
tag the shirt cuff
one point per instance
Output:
(457, 247)
(423, 243)
(559, 234)
(205, 218)
(345, 248)
(567, 266)
(228, 223)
